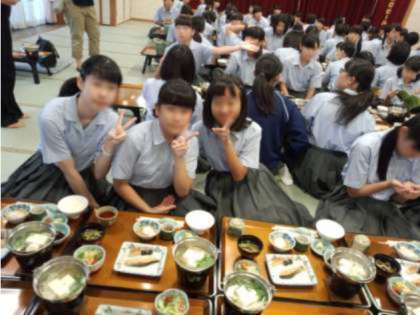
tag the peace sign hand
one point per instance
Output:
(179, 146)
(224, 132)
(117, 134)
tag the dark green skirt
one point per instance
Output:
(371, 216)
(257, 197)
(318, 171)
(38, 181)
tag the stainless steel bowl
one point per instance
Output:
(410, 304)
(196, 242)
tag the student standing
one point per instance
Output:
(79, 135)
(231, 34)
(274, 35)
(165, 15)
(231, 144)
(257, 18)
(391, 33)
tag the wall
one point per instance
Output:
(413, 20)
(144, 9)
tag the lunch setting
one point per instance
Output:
(66, 258)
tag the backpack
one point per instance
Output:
(51, 60)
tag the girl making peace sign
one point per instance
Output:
(79, 135)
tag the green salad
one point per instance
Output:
(173, 303)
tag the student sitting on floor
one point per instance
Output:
(274, 35)
(291, 46)
(198, 25)
(284, 134)
(373, 42)
(231, 34)
(79, 135)
(383, 168)
(171, 35)
(344, 51)
(391, 33)
(201, 8)
(242, 63)
(303, 74)
(334, 121)
(408, 79)
(412, 38)
(231, 144)
(154, 168)
(257, 18)
(397, 56)
(165, 15)
(177, 64)
(179, 5)
(340, 32)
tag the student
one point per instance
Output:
(322, 33)
(198, 25)
(171, 35)
(177, 64)
(407, 80)
(334, 121)
(231, 33)
(231, 144)
(355, 37)
(201, 8)
(303, 74)
(154, 168)
(340, 32)
(165, 15)
(412, 38)
(276, 11)
(284, 133)
(291, 46)
(397, 56)
(242, 63)
(391, 33)
(202, 54)
(310, 21)
(258, 18)
(178, 7)
(274, 35)
(79, 135)
(343, 53)
(366, 24)
(373, 43)
(382, 170)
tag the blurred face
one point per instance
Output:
(167, 4)
(254, 41)
(280, 28)
(406, 146)
(226, 108)
(216, 4)
(344, 81)
(307, 53)
(173, 119)
(408, 75)
(339, 54)
(98, 93)
(184, 34)
(353, 37)
(276, 11)
(258, 15)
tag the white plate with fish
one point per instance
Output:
(107, 309)
(290, 270)
(141, 259)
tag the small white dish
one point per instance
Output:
(146, 229)
(330, 230)
(108, 309)
(199, 221)
(17, 212)
(73, 206)
(409, 251)
(281, 242)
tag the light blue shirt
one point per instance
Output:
(246, 143)
(162, 14)
(242, 65)
(397, 84)
(171, 36)
(150, 93)
(145, 159)
(300, 78)
(263, 22)
(64, 138)
(228, 38)
(332, 72)
(329, 47)
(383, 73)
(285, 53)
(373, 46)
(382, 53)
(321, 114)
(200, 9)
(362, 165)
(274, 41)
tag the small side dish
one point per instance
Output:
(16, 213)
(320, 246)
(146, 229)
(281, 242)
(91, 233)
(92, 256)
(172, 302)
(249, 246)
(246, 265)
(409, 251)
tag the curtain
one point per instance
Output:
(29, 13)
(390, 11)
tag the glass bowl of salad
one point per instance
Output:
(93, 256)
(172, 302)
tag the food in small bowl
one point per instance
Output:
(62, 232)
(16, 213)
(246, 265)
(167, 229)
(92, 256)
(302, 242)
(183, 234)
(249, 246)
(54, 217)
(247, 293)
(31, 243)
(106, 215)
(320, 246)
(91, 233)
(172, 302)
(409, 251)
(281, 242)
(38, 212)
(386, 266)
(146, 229)
(236, 227)
(361, 242)
(330, 230)
(398, 287)
(73, 206)
(60, 284)
(199, 221)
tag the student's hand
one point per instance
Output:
(180, 145)
(250, 47)
(167, 204)
(224, 132)
(392, 94)
(117, 134)
(398, 186)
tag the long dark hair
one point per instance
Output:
(178, 64)
(268, 67)
(390, 142)
(352, 105)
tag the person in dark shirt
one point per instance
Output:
(284, 134)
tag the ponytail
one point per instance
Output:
(69, 88)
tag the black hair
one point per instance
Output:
(218, 87)
(311, 18)
(187, 10)
(279, 18)
(353, 105)
(413, 64)
(341, 29)
(234, 16)
(254, 32)
(256, 9)
(101, 67)
(389, 144)
(411, 38)
(268, 67)
(178, 63)
(373, 32)
(183, 20)
(366, 55)
(365, 24)
(388, 28)
(347, 47)
(177, 92)
(209, 16)
(312, 30)
(297, 27)
(298, 14)
(399, 53)
(293, 39)
(310, 41)
(357, 29)
(321, 20)
(198, 25)
(69, 88)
